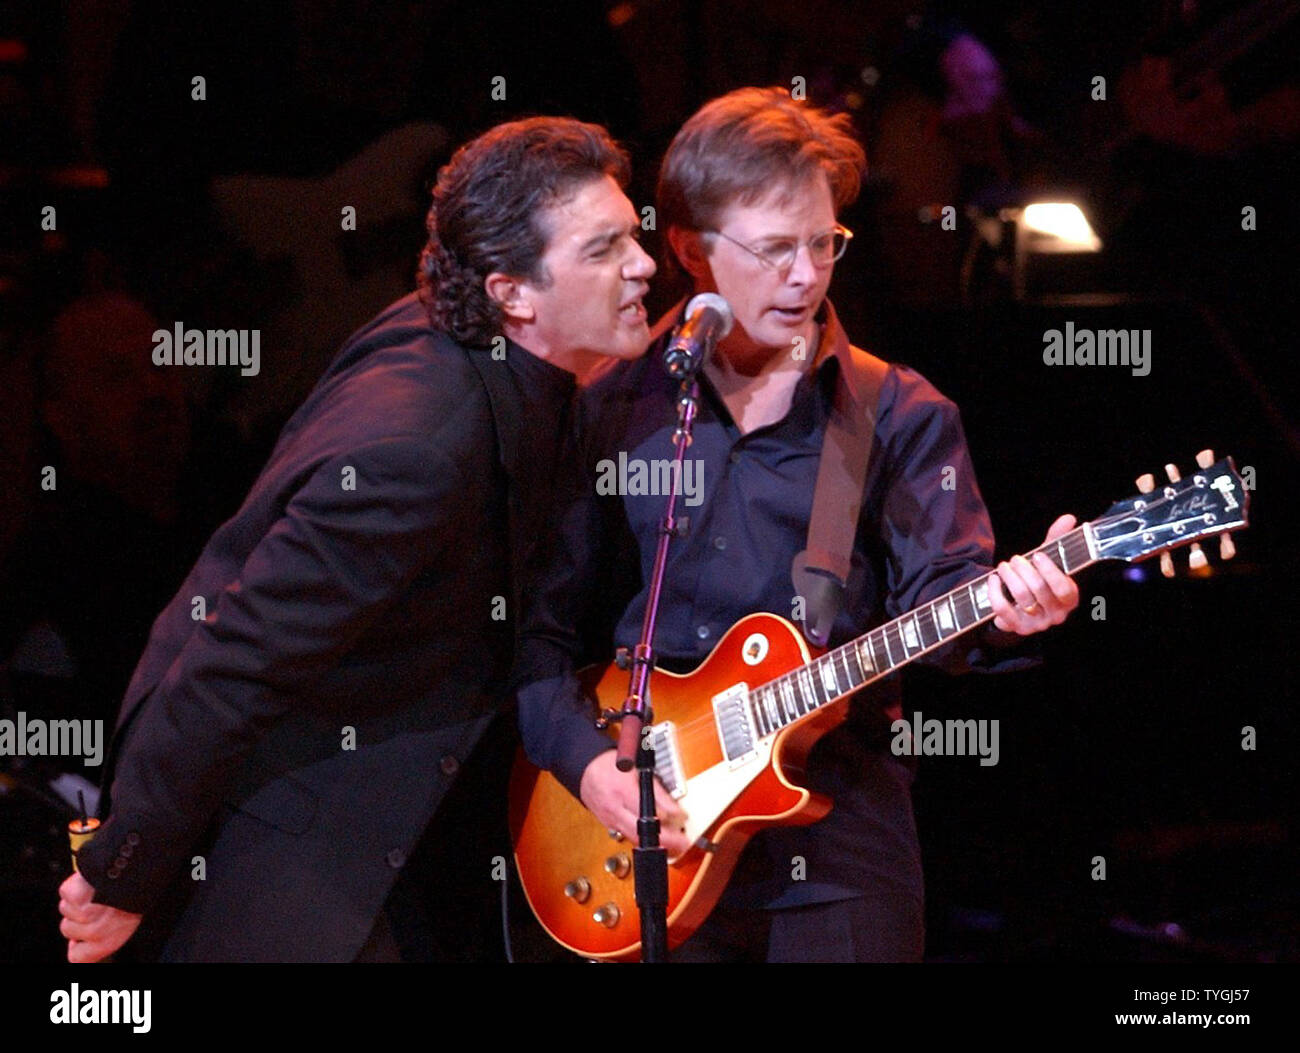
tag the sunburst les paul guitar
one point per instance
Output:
(731, 738)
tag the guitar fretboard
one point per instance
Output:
(879, 652)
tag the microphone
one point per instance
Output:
(708, 320)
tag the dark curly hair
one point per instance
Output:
(487, 214)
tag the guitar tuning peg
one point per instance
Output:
(1172, 471)
(1205, 458)
(1145, 484)
(1226, 548)
(1196, 558)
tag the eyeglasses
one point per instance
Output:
(824, 249)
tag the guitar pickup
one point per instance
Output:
(736, 729)
(668, 762)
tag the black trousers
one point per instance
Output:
(882, 926)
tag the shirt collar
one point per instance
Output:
(536, 374)
(523, 388)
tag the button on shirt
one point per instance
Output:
(923, 531)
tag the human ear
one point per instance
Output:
(511, 294)
(688, 246)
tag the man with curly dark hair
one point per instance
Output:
(307, 698)
(515, 216)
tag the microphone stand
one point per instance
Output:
(650, 859)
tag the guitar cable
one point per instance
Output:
(505, 919)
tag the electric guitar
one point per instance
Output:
(731, 738)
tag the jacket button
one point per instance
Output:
(450, 765)
(120, 864)
(132, 838)
(113, 872)
(396, 858)
(126, 850)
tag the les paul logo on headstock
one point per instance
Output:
(1194, 504)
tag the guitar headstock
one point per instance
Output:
(1212, 500)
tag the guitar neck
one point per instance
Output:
(889, 647)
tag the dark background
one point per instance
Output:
(224, 213)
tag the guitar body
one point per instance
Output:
(557, 840)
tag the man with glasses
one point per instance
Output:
(748, 192)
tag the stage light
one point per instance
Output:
(1040, 228)
(1059, 227)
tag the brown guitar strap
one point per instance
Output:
(821, 571)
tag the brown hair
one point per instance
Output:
(487, 214)
(741, 145)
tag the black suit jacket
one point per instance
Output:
(307, 697)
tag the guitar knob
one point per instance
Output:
(578, 890)
(607, 915)
(1172, 471)
(619, 866)
(1205, 458)
(1146, 483)
(1196, 558)
(1226, 548)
